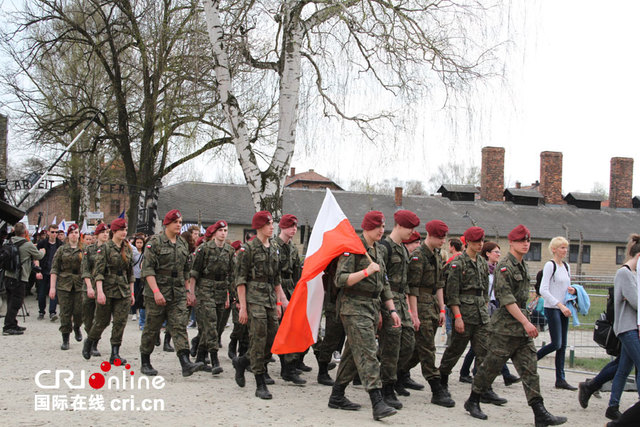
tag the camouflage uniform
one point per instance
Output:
(240, 332)
(114, 268)
(213, 270)
(290, 269)
(425, 278)
(66, 264)
(88, 304)
(359, 308)
(508, 338)
(169, 263)
(468, 288)
(258, 269)
(396, 344)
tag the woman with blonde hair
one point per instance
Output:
(556, 281)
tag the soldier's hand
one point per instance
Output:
(39, 276)
(242, 315)
(379, 321)
(285, 304)
(102, 299)
(133, 300)
(159, 298)
(191, 299)
(91, 293)
(416, 321)
(52, 293)
(279, 311)
(396, 320)
(442, 319)
(373, 268)
(226, 303)
(531, 329)
(459, 325)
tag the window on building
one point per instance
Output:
(301, 231)
(115, 206)
(620, 254)
(586, 254)
(535, 252)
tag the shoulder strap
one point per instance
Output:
(386, 244)
(554, 268)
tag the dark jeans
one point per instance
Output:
(43, 294)
(15, 298)
(558, 329)
(629, 356)
(468, 360)
(606, 374)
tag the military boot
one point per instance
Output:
(77, 334)
(86, 348)
(146, 368)
(267, 378)
(65, 342)
(240, 365)
(115, 354)
(242, 348)
(408, 382)
(399, 385)
(231, 352)
(299, 364)
(290, 374)
(215, 363)
(490, 396)
(94, 349)
(261, 388)
(439, 397)
(472, 405)
(188, 368)
(444, 382)
(337, 400)
(201, 358)
(380, 408)
(543, 417)
(390, 397)
(167, 343)
(323, 374)
(195, 342)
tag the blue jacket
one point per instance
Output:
(578, 303)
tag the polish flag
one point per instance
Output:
(332, 235)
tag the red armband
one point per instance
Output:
(443, 311)
(457, 316)
(156, 290)
(278, 303)
(366, 274)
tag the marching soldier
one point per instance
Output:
(426, 303)
(512, 333)
(113, 273)
(396, 344)
(166, 270)
(467, 295)
(239, 337)
(363, 286)
(88, 291)
(67, 283)
(261, 299)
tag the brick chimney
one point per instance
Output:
(621, 182)
(492, 174)
(551, 177)
(293, 171)
(398, 195)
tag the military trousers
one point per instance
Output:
(333, 339)
(176, 313)
(263, 325)
(118, 308)
(88, 311)
(222, 317)
(425, 348)
(240, 332)
(522, 351)
(207, 320)
(70, 303)
(360, 353)
(396, 348)
(478, 335)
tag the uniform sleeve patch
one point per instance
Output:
(503, 269)
(149, 246)
(453, 266)
(346, 254)
(415, 258)
(242, 249)
(99, 250)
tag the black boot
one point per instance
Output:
(613, 412)
(439, 397)
(267, 378)
(77, 334)
(115, 354)
(231, 352)
(188, 368)
(585, 390)
(389, 396)
(200, 358)
(167, 343)
(288, 372)
(86, 348)
(215, 363)
(356, 380)
(409, 383)
(146, 368)
(510, 379)
(240, 365)
(65, 342)
(444, 382)
(337, 400)
(261, 388)
(158, 340)
(399, 385)
(543, 417)
(299, 364)
(380, 408)
(242, 348)
(323, 374)
(94, 349)
(490, 396)
(195, 341)
(472, 405)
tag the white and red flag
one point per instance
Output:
(332, 236)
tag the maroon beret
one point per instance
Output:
(100, 228)
(474, 234)
(519, 233)
(406, 219)
(236, 245)
(200, 240)
(437, 228)
(260, 219)
(213, 228)
(171, 216)
(463, 240)
(288, 221)
(415, 236)
(118, 224)
(372, 220)
(71, 228)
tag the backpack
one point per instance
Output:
(603, 333)
(9, 261)
(539, 275)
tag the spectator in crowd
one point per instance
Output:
(138, 255)
(50, 246)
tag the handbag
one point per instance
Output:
(604, 336)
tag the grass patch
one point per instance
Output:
(589, 363)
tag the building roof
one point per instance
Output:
(584, 197)
(309, 176)
(457, 188)
(233, 204)
(524, 192)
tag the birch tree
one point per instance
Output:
(398, 46)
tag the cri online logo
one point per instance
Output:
(97, 380)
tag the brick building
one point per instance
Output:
(309, 180)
